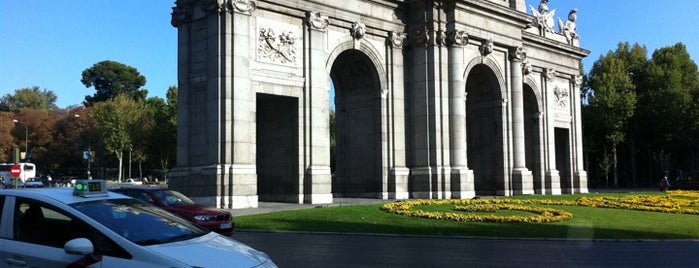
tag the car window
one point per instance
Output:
(140, 222)
(138, 195)
(173, 198)
(39, 223)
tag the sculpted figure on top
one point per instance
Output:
(542, 17)
(568, 28)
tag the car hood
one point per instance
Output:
(212, 250)
(195, 209)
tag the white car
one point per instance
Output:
(87, 226)
(33, 183)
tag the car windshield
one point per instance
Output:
(173, 198)
(139, 222)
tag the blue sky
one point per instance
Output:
(48, 43)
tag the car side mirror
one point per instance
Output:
(79, 246)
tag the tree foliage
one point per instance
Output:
(32, 98)
(119, 122)
(660, 131)
(111, 79)
(614, 99)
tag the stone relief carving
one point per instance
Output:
(422, 37)
(397, 40)
(358, 30)
(550, 74)
(317, 21)
(183, 13)
(180, 15)
(457, 38)
(527, 68)
(242, 6)
(518, 53)
(560, 96)
(486, 47)
(543, 19)
(277, 48)
(568, 28)
(577, 80)
(441, 38)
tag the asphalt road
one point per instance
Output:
(330, 250)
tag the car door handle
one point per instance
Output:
(15, 262)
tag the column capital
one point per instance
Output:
(397, 40)
(317, 21)
(457, 38)
(518, 53)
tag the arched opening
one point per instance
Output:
(532, 138)
(357, 160)
(484, 127)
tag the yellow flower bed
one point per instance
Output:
(475, 207)
(478, 209)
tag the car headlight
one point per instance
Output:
(205, 217)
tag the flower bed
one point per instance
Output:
(485, 210)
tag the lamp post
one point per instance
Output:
(130, 150)
(26, 138)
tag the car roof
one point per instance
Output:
(63, 195)
(142, 188)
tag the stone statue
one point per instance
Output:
(542, 17)
(568, 28)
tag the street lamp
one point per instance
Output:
(130, 150)
(26, 138)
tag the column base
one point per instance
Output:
(522, 181)
(462, 185)
(552, 182)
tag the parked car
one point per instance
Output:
(34, 183)
(133, 181)
(87, 226)
(217, 220)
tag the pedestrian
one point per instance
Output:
(665, 183)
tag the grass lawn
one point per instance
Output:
(587, 222)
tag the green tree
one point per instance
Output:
(119, 121)
(612, 102)
(668, 107)
(110, 79)
(32, 98)
(164, 134)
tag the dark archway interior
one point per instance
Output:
(277, 147)
(562, 136)
(532, 141)
(484, 127)
(357, 171)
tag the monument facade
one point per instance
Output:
(432, 99)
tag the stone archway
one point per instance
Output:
(358, 126)
(485, 132)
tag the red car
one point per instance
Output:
(214, 219)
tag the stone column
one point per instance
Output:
(462, 185)
(522, 181)
(316, 184)
(579, 174)
(398, 174)
(552, 177)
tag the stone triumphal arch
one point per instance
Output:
(432, 99)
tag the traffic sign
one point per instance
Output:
(15, 171)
